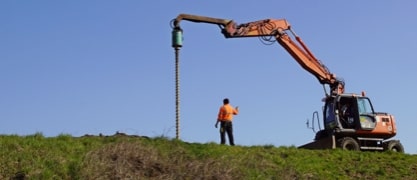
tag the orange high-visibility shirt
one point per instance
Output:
(226, 113)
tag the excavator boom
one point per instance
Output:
(276, 28)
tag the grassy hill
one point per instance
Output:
(133, 157)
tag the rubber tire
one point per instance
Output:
(394, 146)
(348, 143)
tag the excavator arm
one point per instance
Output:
(276, 28)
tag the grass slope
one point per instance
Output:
(133, 157)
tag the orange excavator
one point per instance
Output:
(349, 120)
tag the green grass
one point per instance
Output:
(129, 157)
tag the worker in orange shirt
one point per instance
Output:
(225, 118)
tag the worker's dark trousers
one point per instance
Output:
(226, 127)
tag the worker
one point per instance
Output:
(225, 118)
(348, 116)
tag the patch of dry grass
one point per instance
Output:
(134, 160)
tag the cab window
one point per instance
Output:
(364, 106)
(329, 113)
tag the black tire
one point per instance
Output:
(394, 146)
(348, 143)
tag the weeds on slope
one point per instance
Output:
(133, 157)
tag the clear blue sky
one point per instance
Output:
(88, 67)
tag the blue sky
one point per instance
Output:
(89, 67)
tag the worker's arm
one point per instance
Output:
(236, 110)
(219, 116)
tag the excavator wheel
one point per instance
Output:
(348, 143)
(394, 145)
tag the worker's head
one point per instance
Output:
(225, 101)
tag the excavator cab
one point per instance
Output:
(348, 112)
(351, 123)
